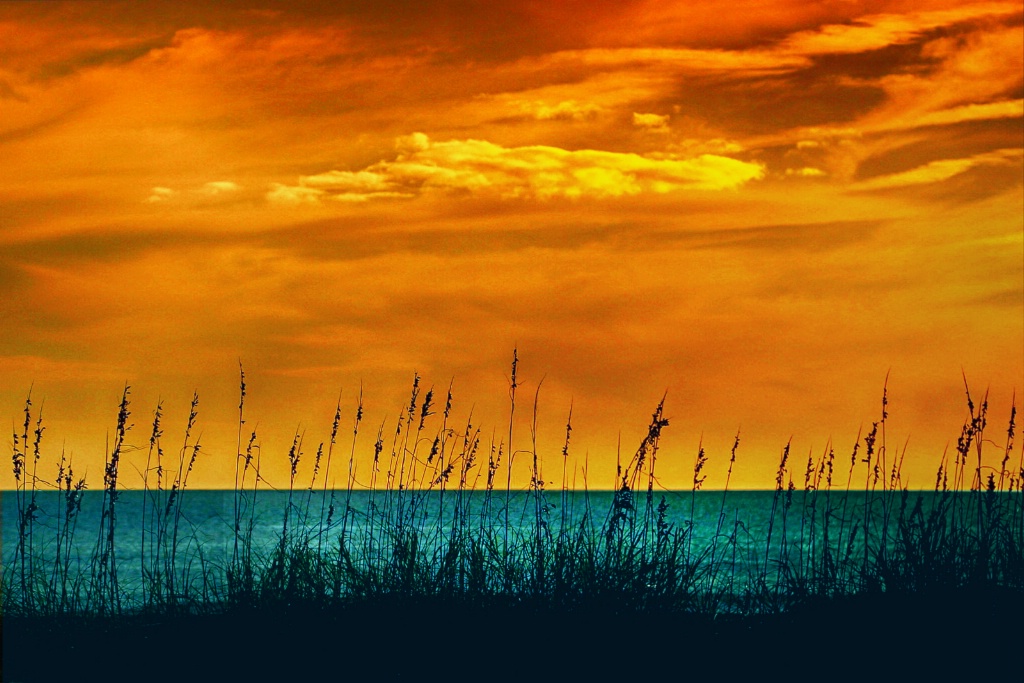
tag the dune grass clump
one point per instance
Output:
(431, 521)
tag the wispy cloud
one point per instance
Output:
(876, 31)
(805, 172)
(160, 194)
(9, 93)
(683, 59)
(940, 170)
(293, 195)
(565, 110)
(478, 167)
(1005, 109)
(215, 189)
(652, 122)
(219, 187)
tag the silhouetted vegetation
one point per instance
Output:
(440, 547)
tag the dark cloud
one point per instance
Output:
(95, 58)
(759, 104)
(108, 246)
(1006, 298)
(505, 30)
(955, 141)
(34, 321)
(9, 93)
(810, 237)
(341, 241)
(977, 184)
(26, 132)
(873, 64)
(487, 31)
(854, 280)
(12, 277)
(26, 211)
(833, 89)
(973, 184)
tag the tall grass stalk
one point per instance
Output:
(640, 553)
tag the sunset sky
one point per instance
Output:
(762, 208)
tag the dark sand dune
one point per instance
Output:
(965, 635)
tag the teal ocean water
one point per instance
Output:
(742, 534)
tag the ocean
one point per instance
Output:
(737, 537)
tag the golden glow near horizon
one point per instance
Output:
(762, 208)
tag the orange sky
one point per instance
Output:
(759, 207)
